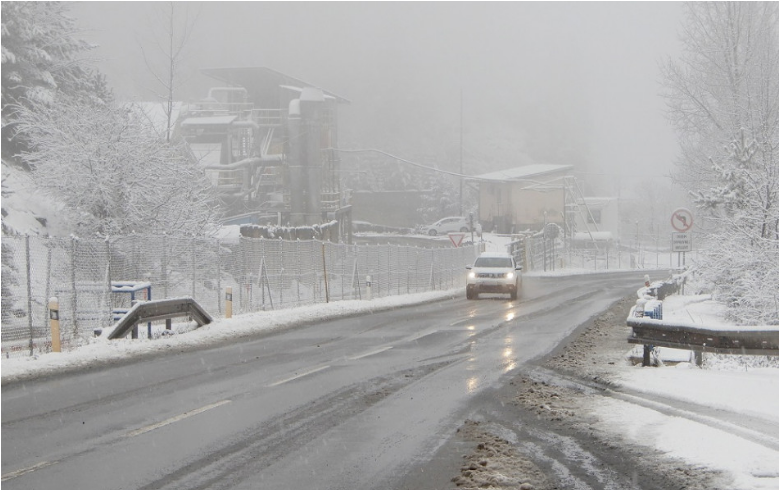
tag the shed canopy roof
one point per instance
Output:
(223, 120)
(524, 172)
(256, 79)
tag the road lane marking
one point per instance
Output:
(23, 471)
(306, 373)
(177, 418)
(378, 351)
(413, 338)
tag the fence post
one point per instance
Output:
(193, 262)
(217, 265)
(108, 297)
(29, 290)
(48, 271)
(242, 277)
(326, 278)
(432, 270)
(355, 275)
(164, 266)
(298, 274)
(75, 300)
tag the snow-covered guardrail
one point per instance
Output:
(649, 329)
(143, 312)
(741, 340)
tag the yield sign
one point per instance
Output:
(456, 238)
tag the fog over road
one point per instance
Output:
(353, 403)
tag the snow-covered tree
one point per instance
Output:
(113, 172)
(41, 56)
(723, 101)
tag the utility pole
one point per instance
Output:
(461, 179)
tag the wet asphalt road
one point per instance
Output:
(354, 403)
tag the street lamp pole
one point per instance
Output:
(461, 179)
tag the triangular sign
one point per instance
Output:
(456, 238)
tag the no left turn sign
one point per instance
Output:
(682, 220)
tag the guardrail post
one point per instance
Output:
(54, 322)
(646, 355)
(229, 303)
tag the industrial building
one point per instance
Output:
(267, 142)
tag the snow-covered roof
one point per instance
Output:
(599, 200)
(301, 89)
(209, 120)
(524, 172)
(256, 79)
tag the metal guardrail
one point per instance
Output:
(166, 309)
(649, 330)
(702, 339)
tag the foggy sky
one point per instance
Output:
(558, 82)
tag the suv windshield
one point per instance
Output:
(494, 262)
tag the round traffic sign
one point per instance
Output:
(682, 220)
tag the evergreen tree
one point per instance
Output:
(41, 57)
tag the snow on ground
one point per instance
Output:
(729, 383)
(732, 386)
(24, 210)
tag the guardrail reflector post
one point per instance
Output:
(229, 303)
(54, 322)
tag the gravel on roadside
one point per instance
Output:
(520, 444)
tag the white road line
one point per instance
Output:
(378, 351)
(422, 335)
(19, 473)
(177, 418)
(307, 373)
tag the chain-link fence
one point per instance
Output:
(546, 254)
(263, 275)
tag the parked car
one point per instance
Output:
(493, 272)
(446, 225)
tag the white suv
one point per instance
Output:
(446, 225)
(493, 272)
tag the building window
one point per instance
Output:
(595, 216)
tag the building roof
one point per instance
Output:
(598, 200)
(222, 120)
(262, 79)
(524, 172)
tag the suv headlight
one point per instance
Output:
(510, 275)
(472, 275)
